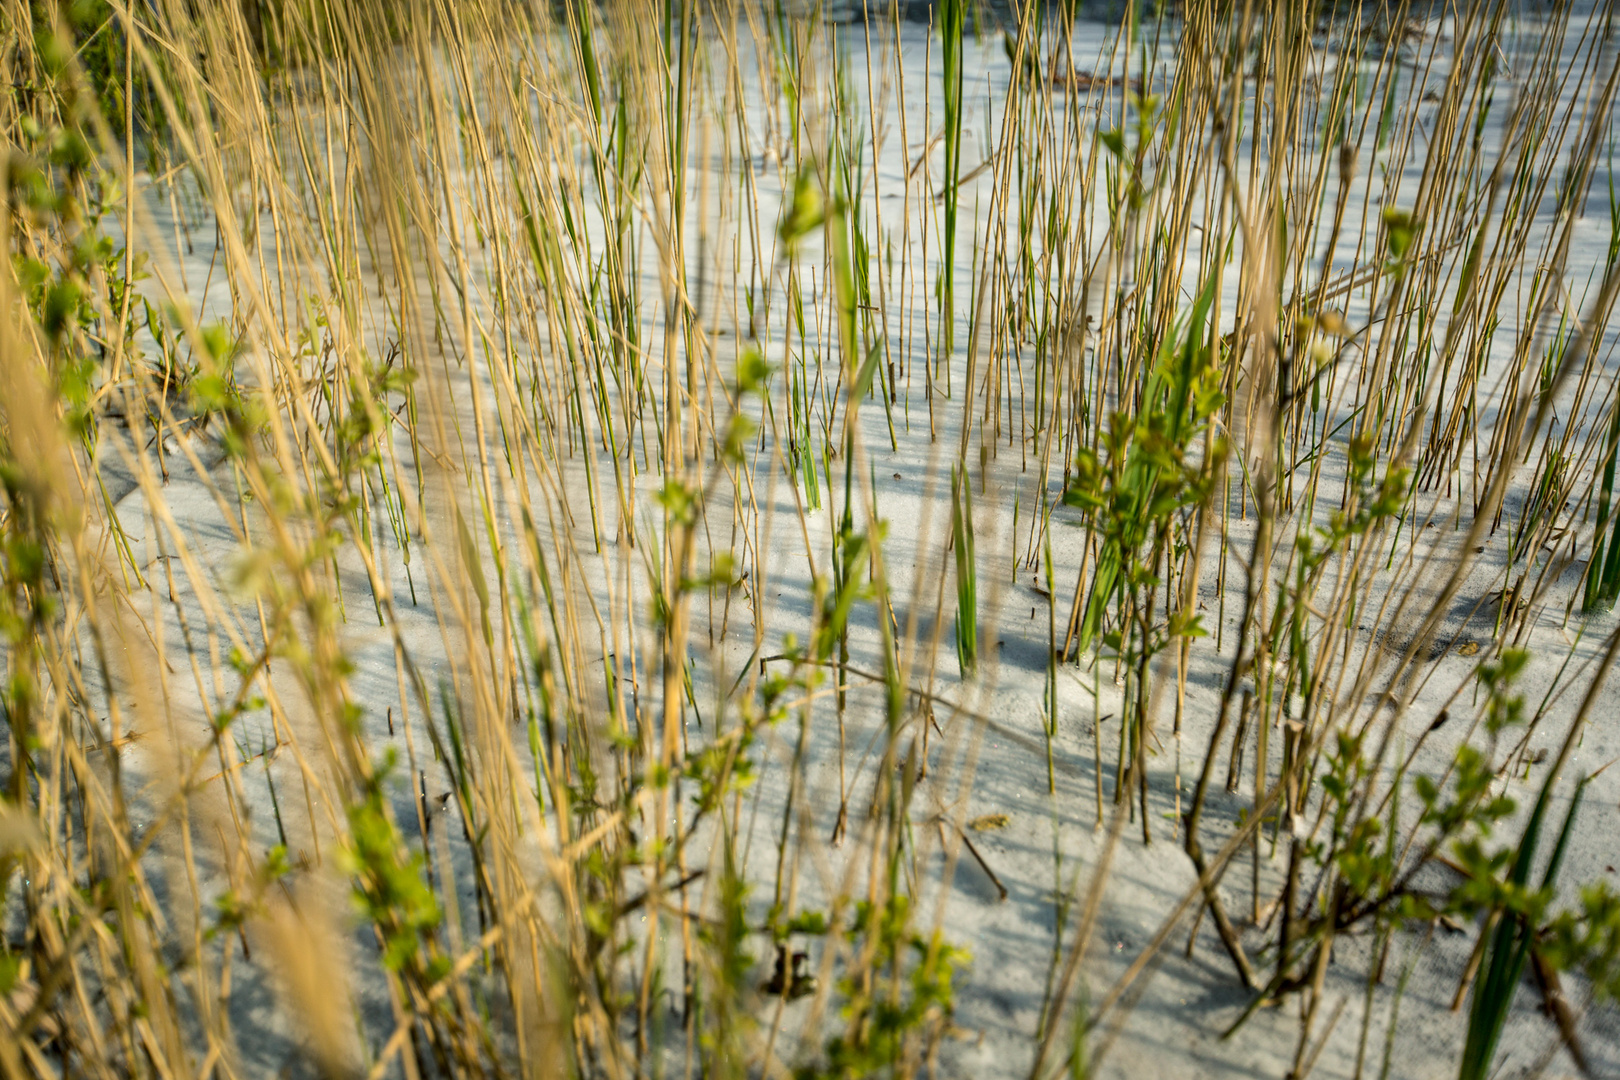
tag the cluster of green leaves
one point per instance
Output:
(805, 213)
(1365, 850)
(70, 274)
(28, 604)
(1374, 503)
(1361, 862)
(1147, 476)
(1495, 885)
(897, 1000)
(1400, 237)
(244, 702)
(389, 889)
(721, 769)
(1129, 183)
(357, 438)
(215, 395)
(1587, 938)
(61, 262)
(89, 34)
(234, 908)
(1473, 778)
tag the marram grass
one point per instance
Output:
(473, 472)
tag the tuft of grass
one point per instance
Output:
(967, 573)
(1513, 937)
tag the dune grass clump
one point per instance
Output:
(483, 488)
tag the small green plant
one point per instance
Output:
(1602, 583)
(389, 889)
(1137, 497)
(1516, 911)
(899, 1006)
